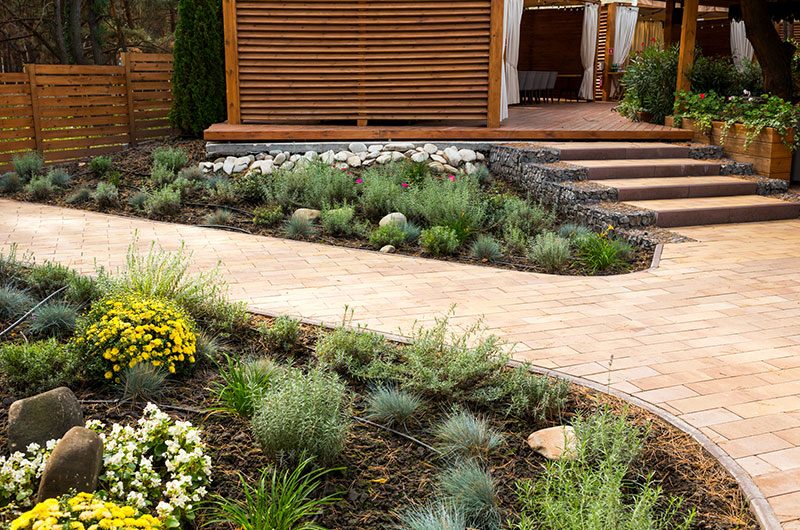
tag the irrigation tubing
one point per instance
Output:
(398, 433)
(30, 312)
(219, 206)
(226, 227)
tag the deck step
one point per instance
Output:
(618, 150)
(718, 210)
(647, 168)
(679, 187)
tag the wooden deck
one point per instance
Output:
(552, 121)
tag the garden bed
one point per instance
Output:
(474, 218)
(378, 475)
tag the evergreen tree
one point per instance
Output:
(198, 79)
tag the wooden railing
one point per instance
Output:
(68, 112)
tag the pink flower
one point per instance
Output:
(404, 184)
(359, 181)
(652, 39)
(452, 178)
(702, 96)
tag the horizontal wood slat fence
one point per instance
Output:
(69, 111)
(324, 61)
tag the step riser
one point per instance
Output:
(741, 214)
(624, 153)
(648, 171)
(686, 192)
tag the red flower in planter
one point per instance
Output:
(359, 181)
(452, 178)
(703, 96)
(404, 184)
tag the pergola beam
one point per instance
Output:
(688, 38)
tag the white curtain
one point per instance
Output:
(588, 48)
(741, 49)
(623, 38)
(512, 18)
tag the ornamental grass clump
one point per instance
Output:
(84, 510)
(28, 165)
(32, 367)
(40, 188)
(126, 330)
(143, 383)
(436, 516)
(105, 194)
(283, 335)
(14, 303)
(550, 251)
(486, 248)
(59, 178)
(80, 196)
(243, 385)
(464, 435)
(219, 217)
(348, 350)
(10, 182)
(162, 202)
(528, 396)
(392, 406)
(171, 158)
(601, 252)
(55, 319)
(304, 414)
(472, 491)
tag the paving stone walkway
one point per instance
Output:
(711, 336)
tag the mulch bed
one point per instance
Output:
(385, 474)
(134, 164)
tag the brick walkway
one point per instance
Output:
(711, 335)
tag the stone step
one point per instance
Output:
(648, 168)
(718, 210)
(679, 187)
(618, 150)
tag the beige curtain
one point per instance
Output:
(647, 32)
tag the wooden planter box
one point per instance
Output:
(768, 154)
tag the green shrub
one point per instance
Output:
(714, 74)
(209, 347)
(243, 385)
(472, 491)
(516, 241)
(106, 194)
(35, 367)
(192, 174)
(223, 191)
(456, 204)
(304, 413)
(161, 176)
(348, 350)
(114, 177)
(10, 182)
(326, 185)
(390, 234)
(391, 406)
(298, 227)
(40, 188)
(49, 277)
(289, 187)
(55, 319)
(14, 303)
(170, 158)
(574, 232)
(268, 216)
(600, 252)
(59, 178)
(138, 200)
(464, 435)
(100, 165)
(550, 251)
(595, 491)
(439, 241)
(143, 383)
(82, 289)
(28, 165)
(279, 501)
(162, 202)
(486, 248)
(219, 217)
(338, 222)
(527, 395)
(253, 187)
(283, 335)
(381, 192)
(436, 516)
(80, 196)
(531, 219)
(649, 80)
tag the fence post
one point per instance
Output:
(37, 119)
(126, 62)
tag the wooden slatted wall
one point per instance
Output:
(302, 61)
(68, 112)
(602, 30)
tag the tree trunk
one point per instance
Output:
(95, 31)
(75, 33)
(58, 32)
(774, 55)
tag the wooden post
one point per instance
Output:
(126, 62)
(669, 22)
(495, 64)
(686, 53)
(611, 30)
(37, 118)
(231, 62)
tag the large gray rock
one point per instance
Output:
(307, 213)
(280, 158)
(357, 147)
(74, 464)
(468, 155)
(399, 146)
(43, 417)
(555, 443)
(453, 156)
(394, 218)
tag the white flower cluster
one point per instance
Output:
(160, 463)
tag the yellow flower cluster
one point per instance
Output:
(132, 329)
(84, 511)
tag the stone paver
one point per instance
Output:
(711, 335)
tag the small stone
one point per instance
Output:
(74, 464)
(479, 156)
(396, 155)
(327, 157)
(307, 213)
(206, 167)
(228, 165)
(368, 162)
(439, 158)
(342, 165)
(375, 148)
(218, 166)
(260, 156)
(410, 153)
(219, 160)
(280, 158)
(388, 249)
(419, 157)
(295, 158)
(384, 158)
(453, 158)
(362, 155)
(399, 146)
(341, 156)
(394, 218)
(470, 168)
(555, 443)
(438, 167)
(354, 161)
(276, 152)
(288, 165)
(357, 147)
(467, 155)
(430, 148)
(239, 167)
(266, 167)
(43, 417)
(450, 169)
(372, 155)
(310, 156)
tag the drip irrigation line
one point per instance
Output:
(226, 227)
(220, 206)
(398, 433)
(30, 312)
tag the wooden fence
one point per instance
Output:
(67, 111)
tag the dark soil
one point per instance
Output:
(134, 165)
(384, 473)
